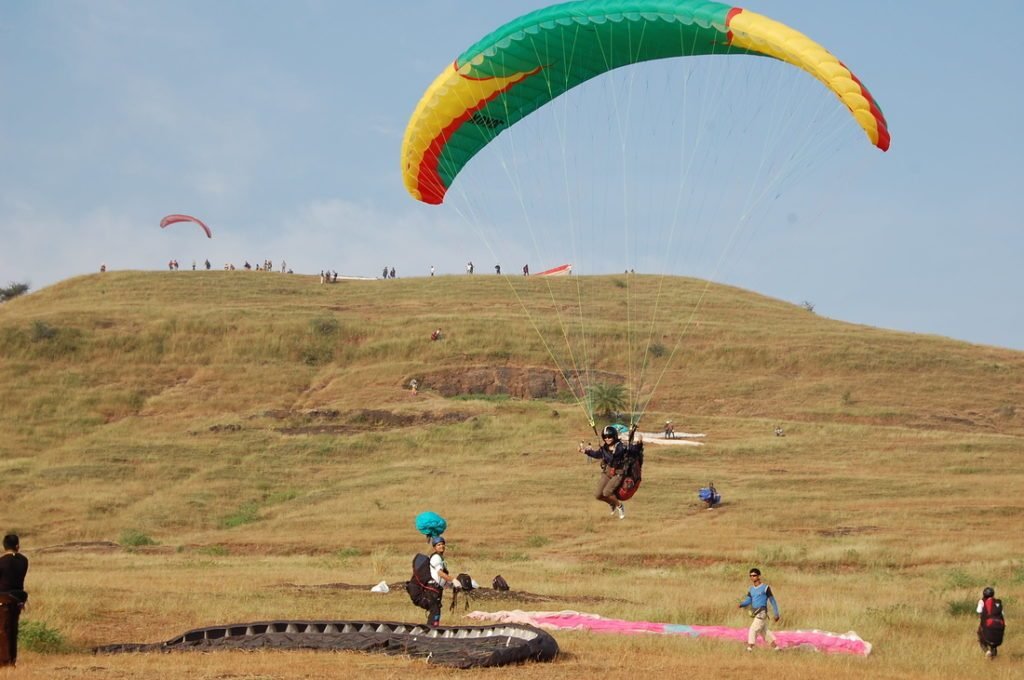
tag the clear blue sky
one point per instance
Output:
(280, 123)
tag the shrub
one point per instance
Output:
(36, 636)
(133, 538)
(12, 290)
(537, 541)
(247, 514)
(960, 607)
(325, 327)
(42, 331)
(317, 355)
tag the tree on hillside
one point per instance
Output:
(12, 291)
(606, 399)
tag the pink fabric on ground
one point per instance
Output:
(832, 643)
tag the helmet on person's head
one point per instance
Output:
(988, 592)
(610, 432)
(436, 539)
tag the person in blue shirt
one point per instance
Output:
(759, 596)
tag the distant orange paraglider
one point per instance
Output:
(173, 219)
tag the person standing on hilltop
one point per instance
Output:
(759, 596)
(13, 568)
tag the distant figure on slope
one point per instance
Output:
(414, 386)
(759, 596)
(670, 430)
(992, 624)
(779, 432)
(497, 269)
(613, 454)
(436, 335)
(526, 270)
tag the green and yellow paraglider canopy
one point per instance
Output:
(530, 61)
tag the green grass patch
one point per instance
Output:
(246, 514)
(133, 538)
(40, 637)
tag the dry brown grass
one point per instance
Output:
(160, 404)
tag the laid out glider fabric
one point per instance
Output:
(174, 219)
(533, 59)
(822, 641)
(457, 646)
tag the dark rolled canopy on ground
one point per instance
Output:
(457, 646)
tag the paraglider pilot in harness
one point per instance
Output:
(992, 624)
(614, 456)
(439, 577)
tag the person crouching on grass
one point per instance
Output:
(759, 596)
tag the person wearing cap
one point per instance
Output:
(440, 577)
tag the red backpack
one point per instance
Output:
(992, 614)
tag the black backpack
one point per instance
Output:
(422, 591)
(632, 471)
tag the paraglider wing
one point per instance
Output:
(533, 59)
(561, 270)
(430, 524)
(173, 219)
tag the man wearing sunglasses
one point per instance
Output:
(759, 596)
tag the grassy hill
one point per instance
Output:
(187, 448)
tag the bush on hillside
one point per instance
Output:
(13, 290)
(133, 538)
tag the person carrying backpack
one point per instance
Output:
(613, 455)
(992, 625)
(429, 577)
